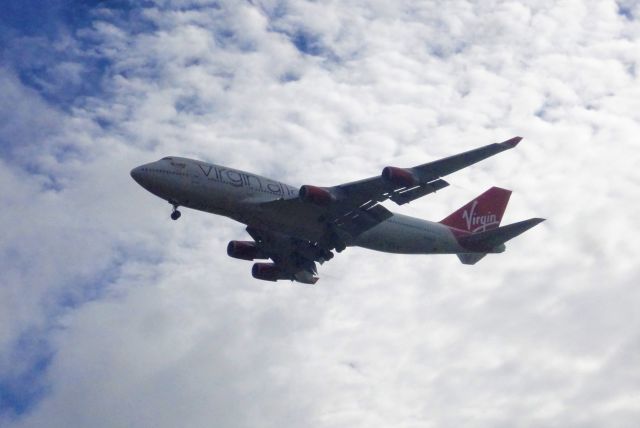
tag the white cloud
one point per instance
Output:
(151, 324)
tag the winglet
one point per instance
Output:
(511, 143)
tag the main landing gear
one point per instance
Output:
(175, 214)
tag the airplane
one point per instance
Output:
(299, 227)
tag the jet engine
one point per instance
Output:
(266, 272)
(244, 250)
(400, 176)
(316, 195)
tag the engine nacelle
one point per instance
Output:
(316, 195)
(244, 250)
(400, 176)
(266, 272)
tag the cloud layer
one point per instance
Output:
(111, 315)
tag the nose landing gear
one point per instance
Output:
(175, 214)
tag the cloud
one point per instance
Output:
(112, 315)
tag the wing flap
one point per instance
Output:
(363, 219)
(406, 196)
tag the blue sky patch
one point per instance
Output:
(307, 43)
(42, 42)
(625, 11)
(20, 391)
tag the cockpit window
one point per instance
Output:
(167, 158)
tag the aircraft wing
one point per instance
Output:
(350, 209)
(293, 258)
(412, 183)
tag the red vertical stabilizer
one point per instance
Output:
(481, 214)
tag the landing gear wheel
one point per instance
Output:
(175, 214)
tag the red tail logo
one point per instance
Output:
(483, 213)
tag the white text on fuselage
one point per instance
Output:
(243, 179)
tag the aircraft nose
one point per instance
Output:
(136, 174)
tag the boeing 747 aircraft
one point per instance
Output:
(299, 227)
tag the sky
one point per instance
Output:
(112, 315)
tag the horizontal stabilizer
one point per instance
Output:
(470, 258)
(487, 241)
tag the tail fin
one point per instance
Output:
(481, 214)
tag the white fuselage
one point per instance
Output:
(242, 196)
